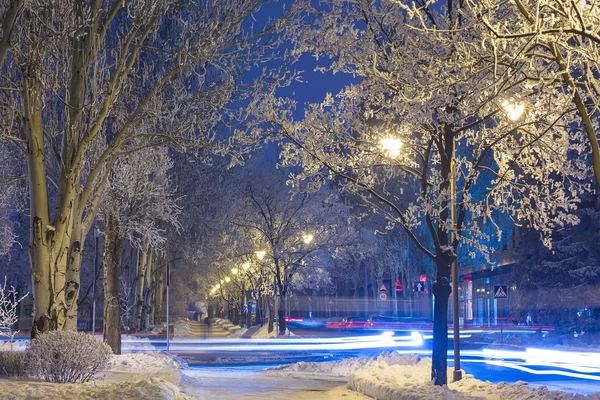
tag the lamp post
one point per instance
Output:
(391, 147)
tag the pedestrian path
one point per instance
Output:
(220, 328)
(229, 384)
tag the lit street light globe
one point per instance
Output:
(513, 109)
(234, 271)
(246, 266)
(307, 238)
(260, 254)
(227, 279)
(391, 147)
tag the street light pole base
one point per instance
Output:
(457, 375)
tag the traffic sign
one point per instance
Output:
(383, 296)
(383, 288)
(501, 291)
(398, 286)
(419, 286)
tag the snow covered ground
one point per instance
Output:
(129, 376)
(263, 333)
(403, 377)
(232, 384)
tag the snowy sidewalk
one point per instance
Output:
(230, 384)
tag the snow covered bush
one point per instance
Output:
(12, 363)
(66, 356)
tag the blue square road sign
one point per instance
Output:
(501, 291)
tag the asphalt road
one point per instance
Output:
(573, 372)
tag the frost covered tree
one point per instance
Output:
(296, 232)
(139, 205)
(552, 44)
(559, 287)
(78, 76)
(431, 128)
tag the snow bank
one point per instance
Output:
(153, 388)
(346, 367)
(129, 376)
(411, 381)
(18, 345)
(263, 333)
(143, 363)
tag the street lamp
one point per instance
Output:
(514, 109)
(260, 254)
(234, 271)
(227, 279)
(391, 147)
(307, 238)
(246, 266)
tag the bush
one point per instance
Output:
(12, 363)
(66, 356)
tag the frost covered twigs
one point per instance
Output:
(9, 305)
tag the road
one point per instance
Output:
(568, 371)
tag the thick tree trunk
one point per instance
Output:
(112, 297)
(50, 245)
(40, 232)
(441, 290)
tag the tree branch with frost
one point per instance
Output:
(9, 310)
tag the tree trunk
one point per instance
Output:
(147, 309)
(40, 234)
(271, 306)
(282, 323)
(112, 298)
(50, 245)
(139, 292)
(73, 278)
(158, 297)
(441, 290)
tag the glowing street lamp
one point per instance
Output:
(307, 238)
(246, 266)
(221, 281)
(227, 279)
(234, 271)
(391, 147)
(260, 254)
(513, 109)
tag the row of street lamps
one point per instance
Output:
(307, 238)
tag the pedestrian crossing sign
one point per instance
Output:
(501, 292)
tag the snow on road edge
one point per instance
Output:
(410, 382)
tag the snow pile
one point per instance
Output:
(152, 388)
(412, 381)
(18, 345)
(136, 343)
(129, 376)
(143, 362)
(346, 367)
(263, 333)
(239, 332)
